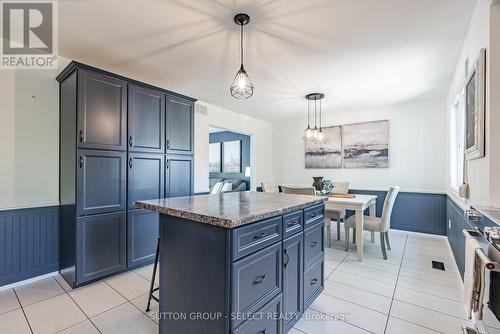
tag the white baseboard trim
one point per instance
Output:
(27, 281)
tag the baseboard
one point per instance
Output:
(27, 281)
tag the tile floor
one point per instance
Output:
(400, 295)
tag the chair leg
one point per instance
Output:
(152, 284)
(387, 240)
(329, 235)
(338, 229)
(353, 235)
(346, 236)
(382, 245)
(372, 237)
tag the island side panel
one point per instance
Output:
(194, 277)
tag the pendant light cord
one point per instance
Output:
(315, 114)
(320, 114)
(308, 114)
(241, 43)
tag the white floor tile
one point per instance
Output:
(492, 330)
(85, 327)
(54, 314)
(489, 319)
(8, 301)
(355, 315)
(432, 302)
(431, 288)
(39, 290)
(357, 296)
(14, 322)
(154, 308)
(96, 298)
(295, 331)
(125, 319)
(375, 264)
(438, 277)
(398, 326)
(130, 285)
(427, 318)
(62, 282)
(315, 323)
(368, 272)
(364, 283)
(147, 273)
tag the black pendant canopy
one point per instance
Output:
(241, 87)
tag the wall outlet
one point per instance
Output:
(449, 224)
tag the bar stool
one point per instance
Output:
(152, 288)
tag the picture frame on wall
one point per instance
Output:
(214, 158)
(231, 156)
(475, 108)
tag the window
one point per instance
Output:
(457, 126)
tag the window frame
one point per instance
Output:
(457, 142)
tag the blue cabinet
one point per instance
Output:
(113, 142)
(293, 279)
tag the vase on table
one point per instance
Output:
(318, 182)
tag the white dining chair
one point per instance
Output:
(336, 215)
(375, 224)
(298, 190)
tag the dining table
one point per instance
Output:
(357, 203)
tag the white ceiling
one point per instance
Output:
(360, 53)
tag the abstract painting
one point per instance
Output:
(214, 163)
(232, 156)
(325, 155)
(366, 145)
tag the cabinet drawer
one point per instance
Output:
(253, 237)
(313, 214)
(267, 322)
(292, 223)
(313, 242)
(256, 279)
(313, 281)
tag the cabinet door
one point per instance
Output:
(102, 112)
(101, 181)
(142, 237)
(179, 123)
(145, 177)
(146, 120)
(101, 246)
(293, 287)
(179, 176)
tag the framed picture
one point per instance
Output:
(232, 156)
(366, 145)
(214, 158)
(475, 106)
(328, 154)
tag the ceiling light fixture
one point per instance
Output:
(315, 135)
(241, 87)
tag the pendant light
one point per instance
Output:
(241, 87)
(316, 134)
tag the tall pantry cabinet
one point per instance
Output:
(120, 141)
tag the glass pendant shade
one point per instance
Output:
(241, 87)
(309, 133)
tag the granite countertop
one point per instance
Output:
(230, 210)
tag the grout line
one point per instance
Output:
(410, 322)
(357, 287)
(395, 286)
(354, 303)
(428, 309)
(22, 309)
(431, 294)
(77, 305)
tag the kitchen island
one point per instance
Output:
(243, 262)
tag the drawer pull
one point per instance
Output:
(286, 258)
(263, 332)
(290, 224)
(259, 279)
(314, 281)
(260, 236)
(314, 244)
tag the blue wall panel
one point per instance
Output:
(416, 212)
(29, 243)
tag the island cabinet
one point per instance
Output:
(221, 275)
(113, 152)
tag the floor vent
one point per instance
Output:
(437, 265)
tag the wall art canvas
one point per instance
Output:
(214, 158)
(475, 107)
(325, 155)
(232, 156)
(366, 145)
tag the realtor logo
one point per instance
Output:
(29, 36)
